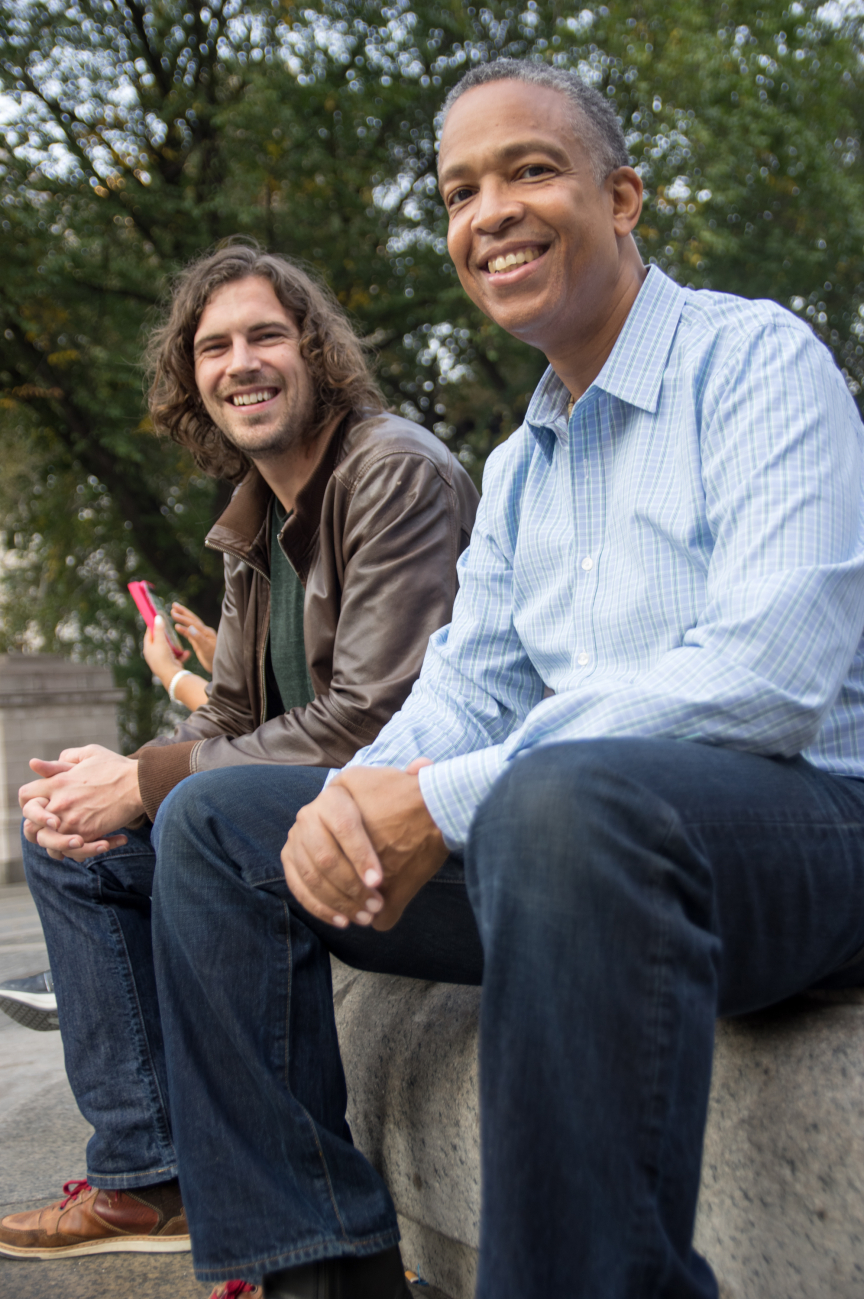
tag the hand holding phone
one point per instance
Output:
(149, 605)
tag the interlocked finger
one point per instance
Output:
(340, 815)
(59, 845)
(327, 885)
(324, 856)
(36, 812)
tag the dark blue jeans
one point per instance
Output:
(625, 891)
(96, 920)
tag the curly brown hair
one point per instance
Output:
(332, 351)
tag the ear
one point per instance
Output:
(625, 187)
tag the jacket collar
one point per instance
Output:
(243, 527)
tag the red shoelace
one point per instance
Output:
(72, 1190)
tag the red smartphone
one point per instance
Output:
(149, 605)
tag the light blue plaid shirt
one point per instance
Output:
(686, 560)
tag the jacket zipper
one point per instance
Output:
(262, 682)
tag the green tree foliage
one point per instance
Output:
(139, 134)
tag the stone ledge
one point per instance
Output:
(47, 704)
(23, 676)
(781, 1210)
(43, 700)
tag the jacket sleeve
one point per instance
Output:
(166, 760)
(390, 564)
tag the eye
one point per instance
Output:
(535, 170)
(272, 336)
(459, 195)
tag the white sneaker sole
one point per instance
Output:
(27, 1009)
(42, 1000)
(110, 1245)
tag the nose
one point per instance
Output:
(243, 356)
(497, 207)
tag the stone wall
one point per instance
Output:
(781, 1207)
(47, 704)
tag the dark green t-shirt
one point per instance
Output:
(288, 682)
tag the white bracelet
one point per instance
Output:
(178, 676)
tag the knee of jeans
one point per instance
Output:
(568, 827)
(190, 805)
(184, 821)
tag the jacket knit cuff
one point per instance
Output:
(160, 768)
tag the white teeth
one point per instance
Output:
(250, 398)
(513, 259)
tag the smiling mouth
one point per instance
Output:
(252, 398)
(507, 261)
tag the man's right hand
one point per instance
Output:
(78, 800)
(45, 831)
(362, 849)
(59, 845)
(158, 654)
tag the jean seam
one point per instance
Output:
(161, 1112)
(653, 1126)
(121, 1181)
(384, 1239)
(287, 914)
(92, 863)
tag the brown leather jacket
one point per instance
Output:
(374, 539)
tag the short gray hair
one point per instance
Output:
(596, 118)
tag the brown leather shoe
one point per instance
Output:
(92, 1221)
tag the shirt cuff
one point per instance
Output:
(453, 790)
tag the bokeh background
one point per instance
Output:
(136, 135)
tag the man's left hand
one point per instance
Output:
(363, 848)
(86, 794)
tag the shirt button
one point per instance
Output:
(587, 563)
(582, 660)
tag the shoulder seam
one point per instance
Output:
(388, 453)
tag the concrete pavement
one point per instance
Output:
(42, 1143)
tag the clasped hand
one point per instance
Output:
(78, 800)
(364, 847)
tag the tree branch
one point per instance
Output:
(129, 489)
(153, 63)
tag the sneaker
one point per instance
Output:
(233, 1289)
(92, 1221)
(31, 1001)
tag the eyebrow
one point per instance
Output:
(264, 324)
(509, 153)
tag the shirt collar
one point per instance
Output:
(634, 368)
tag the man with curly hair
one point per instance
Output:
(340, 545)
